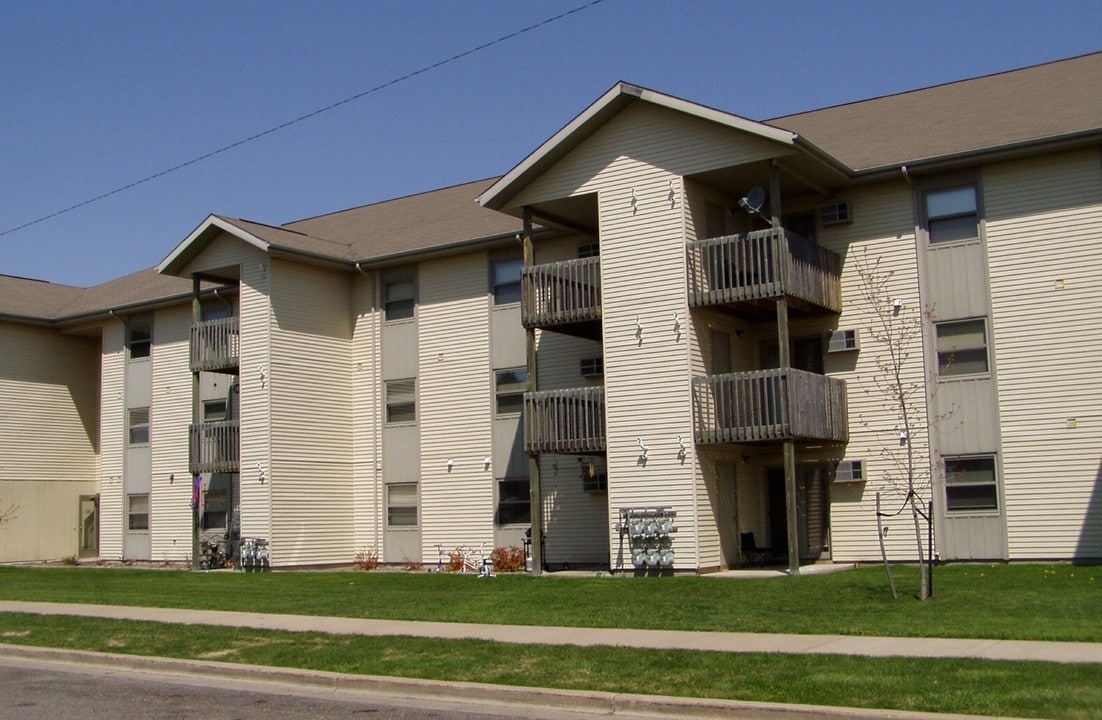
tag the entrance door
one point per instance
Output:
(89, 526)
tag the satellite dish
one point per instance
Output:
(754, 200)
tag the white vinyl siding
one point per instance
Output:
(455, 398)
(366, 395)
(311, 390)
(48, 422)
(225, 251)
(1042, 219)
(112, 434)
(884, 229)
(255, 384)
(171, 406)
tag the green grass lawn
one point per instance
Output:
(943, 686)
(1025, 602)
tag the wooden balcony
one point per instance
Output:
(215, 345)
(214, 447)
(763, 266)
(565, 421)
(770, 406)
(564, 297)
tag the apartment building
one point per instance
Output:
(651, 344)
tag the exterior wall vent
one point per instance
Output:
(835, 213)
(843, 340)
(850, 471)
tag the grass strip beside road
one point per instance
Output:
(942, 686)
(1014, 602)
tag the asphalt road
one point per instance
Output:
(37, 690)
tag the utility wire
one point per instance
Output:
(307, 116)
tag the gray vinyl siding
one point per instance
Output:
(454, 404)
(311, 390)
(170, 494)
(883, 228)
(112, 433)
(255, 383)
(48, 419)
(1042, 220)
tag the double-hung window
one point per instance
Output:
(961, 347)
(137, 426)
(509, 387)
(137, 513)
(399, 295)
(513, 502)
(401, 505)
(952, 215)
(401, 401)
(505, 280)
(971, 484)
(139, 338)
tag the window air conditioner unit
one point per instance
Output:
(843, 340)
(850, 471)
(835, 213)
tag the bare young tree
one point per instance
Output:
(7, 514)
(895, 330)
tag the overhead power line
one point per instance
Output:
(307, 116)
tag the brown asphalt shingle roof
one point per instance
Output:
(1044, 101)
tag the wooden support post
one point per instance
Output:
(775, 209)
(535, 496)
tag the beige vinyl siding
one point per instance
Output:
(224, 251)
(49, 423)
(883, 228)
(454, 403)
(255, 431)
(170, 496)
(1042, 220)
(366, 419)
(311, 396)
(112, 432)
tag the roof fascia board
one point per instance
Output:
(27, 320)
(185, 250)
(992, 154)
(140, 306)
(491, 241)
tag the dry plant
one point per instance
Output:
(366, 560)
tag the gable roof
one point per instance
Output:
(612, 103)
(34, 300)
(1042, 103)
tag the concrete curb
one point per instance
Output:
(465, 693)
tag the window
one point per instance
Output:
(970, 484)
(216, 311)
(513, 504)
(401, 401)
(589, 250)
(399, 298)
(593, 367)
(401, 505)
(505, 278)
(137, 513)
(961, 347)
(139, 338)
(951, 215)
(509, 387)
(214, 410)
(138, 426)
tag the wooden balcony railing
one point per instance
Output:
(215, 344)
(561, 293)
(763, 265)
(214, 447)
(565, 421)
(770, 405)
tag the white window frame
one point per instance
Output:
(138, 421)
(133, 515)
(944, 370)
(951, 483)
(404, 507)
(398, 395)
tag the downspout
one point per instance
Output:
(376, 470)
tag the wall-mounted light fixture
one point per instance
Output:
(487, 462)
(677, 324)
(683, 450)
(260, 474)
(672, 195)
(642, 446)
(263, 374)
(634, 202)
(638, 329)
(450, 464)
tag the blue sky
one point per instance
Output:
(97, 95)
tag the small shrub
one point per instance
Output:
(455, 562)
(70, 560)
(366, 560)
(508, 559)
